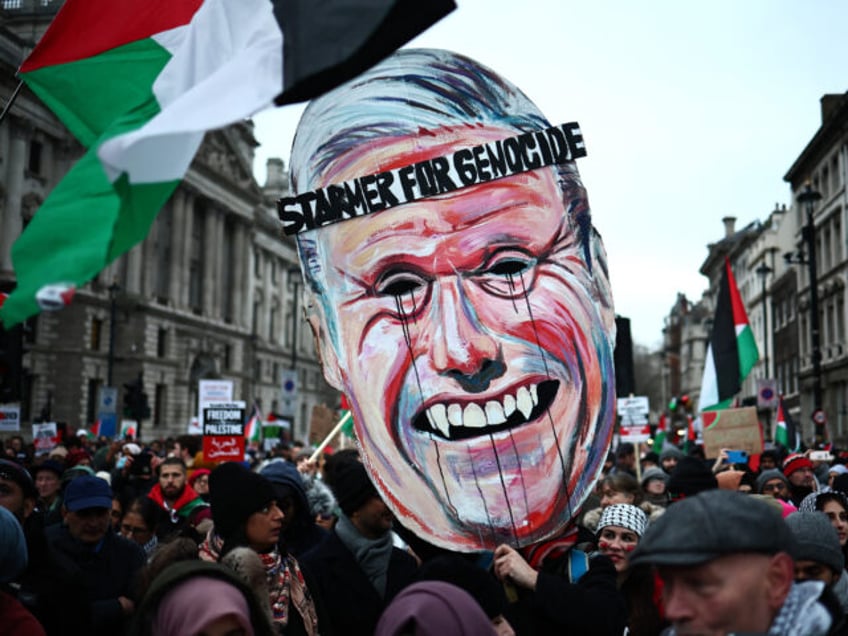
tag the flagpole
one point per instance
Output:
(330, 436)
(11, 100)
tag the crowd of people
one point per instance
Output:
(121, 537)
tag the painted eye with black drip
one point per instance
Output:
(409, 290)
(509, 273)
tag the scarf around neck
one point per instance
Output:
(372, 555)
(285, 583)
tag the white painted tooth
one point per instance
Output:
(437, 414)
(474, 416)
(508, 405)
(455, 415)
(494, 413)
(534, 394)
(524, 402)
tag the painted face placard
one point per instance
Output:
(459, 296)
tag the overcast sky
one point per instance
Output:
(690, 112)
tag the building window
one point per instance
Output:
(195, 271)
(159, 404)
(34, 163)
(228, 267)
(162, 343)
(96, 331)
(228, 356)
(91, 401)
(164, 235)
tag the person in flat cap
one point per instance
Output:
(48, 482)
(103, 563)
(818, 555)
(357, 566)
(245, 513)
(725, 560)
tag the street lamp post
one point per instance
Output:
(808, 198)
(763, 271)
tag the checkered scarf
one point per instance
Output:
(624, 516)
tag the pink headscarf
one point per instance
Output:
(193, 604)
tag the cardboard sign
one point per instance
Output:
(633, 410)
(223, 432)
(735, 429)
(10, 418)
(323, 421)
(635, 434)
(45, 437)
(213, 391)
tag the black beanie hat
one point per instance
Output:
(690, 477)
(352, 487)
(235, 493)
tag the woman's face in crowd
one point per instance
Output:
(838, 518)
(264, 527)
(134, 528)
(617, 543)
(655, 487)
(610, 496)
(201, 485)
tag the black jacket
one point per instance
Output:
(353, 604)
(104, 574)
(590, 607)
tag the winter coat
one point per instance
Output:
(353, 605)
(104, 573)
(592, 606)
(168, 579)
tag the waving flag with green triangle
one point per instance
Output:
(732, 350)
(139, 82)
(785, 433)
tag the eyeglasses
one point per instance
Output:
(128, 529)
(773, 487)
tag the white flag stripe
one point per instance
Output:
(203, 88)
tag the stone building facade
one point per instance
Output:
(210, 293)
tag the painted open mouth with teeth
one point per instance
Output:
(456, 421)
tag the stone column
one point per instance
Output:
(210, 255)
(178, 214)
(185, 252)
(14, 178)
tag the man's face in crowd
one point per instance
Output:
(767, 462)
(12, 498)
(735, 593)
(47, 483)
(474, 344)
(806, 570)
(776, 488)
(373, 519)
(88, 525)
(668, 464)
(802, 478)
(172, 480)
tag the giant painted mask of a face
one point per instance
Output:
(470, 323)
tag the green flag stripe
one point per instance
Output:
(748, 353)
(121, 78)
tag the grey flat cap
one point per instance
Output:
(712, 524)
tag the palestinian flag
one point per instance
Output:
(139, 82)
(691, 435)
(732, 350)
(347, 417)
(661, 434)
(785, 433)
(253, 428)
